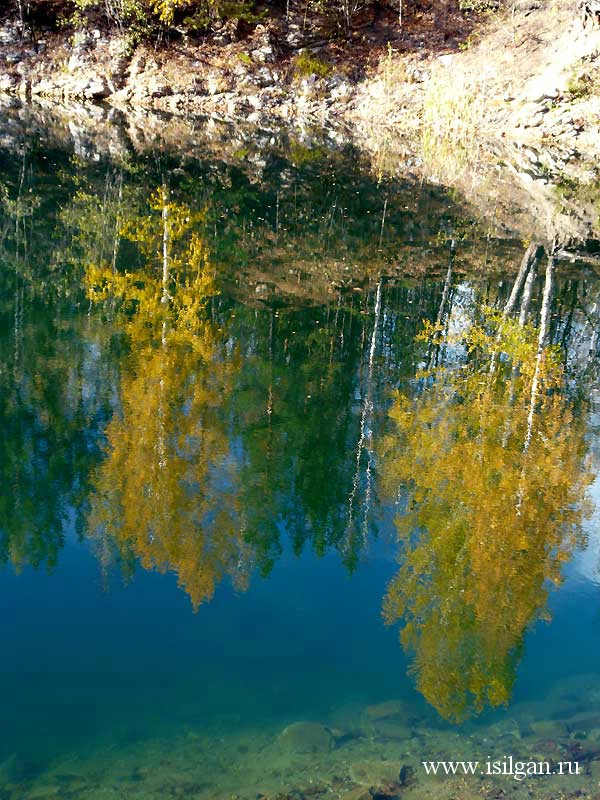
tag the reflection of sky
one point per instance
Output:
(586, 562)
(82, 664)
(461, 314)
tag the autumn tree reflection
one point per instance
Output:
(486, 458)
(165, 493)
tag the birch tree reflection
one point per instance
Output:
(164, 494)
(487, 461)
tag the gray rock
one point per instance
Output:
(341, 91)
(96, 87)
(122, 96)
(7, 82)
(264, 77)
(76, 62)
(9, 35)
(43, 87)
(138, 64)
(119, 63)
(541, 96)
(534, 121)
(159, 88)
(419, 75)
(264, 54)
(308, 83)
(81, 40)
(216, 83)
(254, 101)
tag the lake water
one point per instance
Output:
(290, 501)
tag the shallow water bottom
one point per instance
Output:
(357, 753)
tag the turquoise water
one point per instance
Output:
(216, 515)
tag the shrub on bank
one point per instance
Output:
(159, 19)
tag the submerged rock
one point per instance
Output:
(595, 772)
(392, 728)
(391, 708)
(375, 772)
(407, 775)
(548, 728)
(357, 793)
(583, 722)
(44, 792)
(388, 791)
(307, 737)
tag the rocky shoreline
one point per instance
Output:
(537, 83)
(511, 121)
(246, 80)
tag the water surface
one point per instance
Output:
(275, 450)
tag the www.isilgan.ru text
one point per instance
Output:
(519, 770)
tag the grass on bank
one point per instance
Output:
(454, 112)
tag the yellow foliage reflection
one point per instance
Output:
(176, 278)
(164, 492)
(488, 463)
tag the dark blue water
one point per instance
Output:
(135, 658)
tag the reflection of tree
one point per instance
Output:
(488, 462)
(289, 393)
(164, 493)
(219, 448)
(304, 410)
(52, 389)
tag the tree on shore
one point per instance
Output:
(158, 20)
